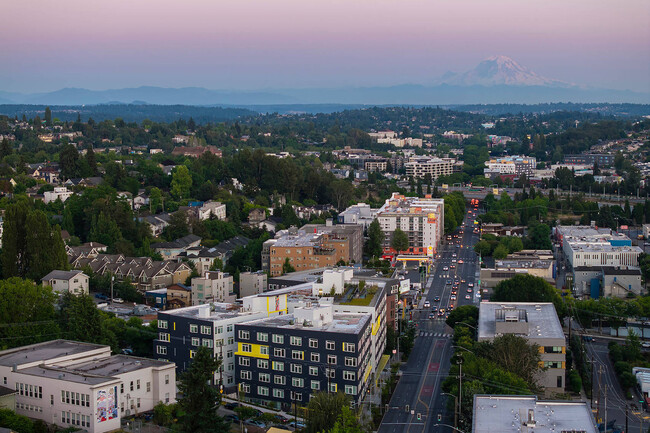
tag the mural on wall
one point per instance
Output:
(107, 404)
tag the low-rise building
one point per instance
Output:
(509, 267)
(607, 281)
(587, 246)
(60, 193)
(523, 413)
(252, 283)
(516, 165)
(360, 213)
(420, 166)
(536, 322)
(213, 286)
(170, 250)
(75, 282)
(73, 384)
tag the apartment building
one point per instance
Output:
(307, 251)
(60, 193)
(252, 283)
(74, 384)
(213, 286)
(607, 281)
(603, 159)
(352, 232)
(587, 246)
(516, 165)
(536, 322)
(284, 359)
(422, 219)
(360, 213)
(420, 166)
(376, 165)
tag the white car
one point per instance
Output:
(468, 297)
(427, 304)
(118, 300)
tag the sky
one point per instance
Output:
(46, 45)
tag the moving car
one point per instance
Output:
(468, 297)
(427, 304)
(469, 290)
(432, 316)
(470, 284)
(461, 261)
(445, 268)
(453, 297)
(436, 299)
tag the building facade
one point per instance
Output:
(252, 283)
(213, 286)
(420, 166)
(75, 282)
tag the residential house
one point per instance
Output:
(170, 250)
(75, 282)
(213, 286)
(60, 193)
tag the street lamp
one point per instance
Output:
(455, 407)
(447, 425)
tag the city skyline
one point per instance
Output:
(289, 44)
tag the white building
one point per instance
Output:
(73, 384)
(212, 208)
(420, 166)
(360, 213)
(523, 413)
(252, 283)
(516, 165)
(590, 246)
(422, 219)
(75, 282)
(60, 192)
(213, 286)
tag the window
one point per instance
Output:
(262, 363)
(553, 364)
(246, 362)
(350, 390)
(246, 348)
(231, 340)
(280, 353)
(313, 371)
(192, 354)
(297, 382)
(278, 339)
(350, 362)
(208, 343)
(348, 347)
(219, 329)
(295, 368)
(329, 345)
(315, 385)
(246, 375)
(219, 342)
(278, 393)
(297, 354)
(278, 366)
(313, 343)
(163, 336)
(244, 335)
(4, 380)
(331, 359)
(330, 372)
(138, 404)
(315, 357)
(279, 380)
(262, 390)
(162, 324)
(552, 349)
(297, 396)
(137, 384)
(195, 341)
(229, 354)
(295, 341)
(122, 385)
(264, 350)
(194, 328)
(333, 387)
(131, 386)
(148, 386)
(559, 381)
(245, 387)
(229, 328)
(262, 336)
(206, 330)
(264, 377)
(166, 379)
(349, 375)
(161, 350)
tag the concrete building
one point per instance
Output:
(603, 159)
(73, 384)
(75, 282)
(376, 165)
(539, 324)
(606, 281)
(8, 399)
(420, 166)
(252, 283)
(60, 193)
(283, 359)
(360, 213)
(213, 286)
(508, 268)
(306, 251)
(523, 413)
(587, 246)
(352, 232)
(422, 219)
(516, 165)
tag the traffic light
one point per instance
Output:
(439, 417)
(407, 408)
(419, 416)
(220, 389)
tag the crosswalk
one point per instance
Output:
(435, 334)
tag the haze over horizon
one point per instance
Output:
(256, 44)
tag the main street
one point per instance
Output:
(416, 403)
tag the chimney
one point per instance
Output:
(328, 222)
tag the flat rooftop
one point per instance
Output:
(298, 240)
(45, 351)
(341, 323)
(542, 319)
(508, 414)
(523, 264)
(218, 311)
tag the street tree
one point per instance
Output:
(400, 241)
(323, 411)
(528, 288)
(513, 353)
(287, 267)
(375, 239)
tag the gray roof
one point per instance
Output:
(6, 391)
(44, 351)
(542, 318)
(61, 275)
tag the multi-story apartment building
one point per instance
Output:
(360, 213)
(252, 283)
(352, 232)
(591, 246)
(516, 165)
(536, 322)
(376, 165)
(603, 159)
(307, 251)
(422, 219)
(184, 330)
(420, 166)
(283, 359)
(213, 286)
(80, 385)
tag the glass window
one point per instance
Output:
(350, 362)
(244, 335)
(313, 371)
(280, 353)
(279, 380)
(244, 361)
(194, 328)
(348, 347)
(296, 368)
(278, 339)
(264, 377)
(162, 324)
(329, 345)
(195, 341)
(278, 393)
(262, 336)
(296, 341)
(331, 359)
(315, 385)
(297, 354)
(262, 390)
(349, 375)
(313, 343)
(278, 366)
(262, 363)
(315, 357)
(298, 382)
(246, 348)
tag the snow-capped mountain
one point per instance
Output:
(497, 71)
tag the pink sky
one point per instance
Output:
(253, 44)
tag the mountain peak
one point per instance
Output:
(501, 70)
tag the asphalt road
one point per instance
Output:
(417, 403)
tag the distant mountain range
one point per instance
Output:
(496, 80)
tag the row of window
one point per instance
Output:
(29, 390)
(295, 354)
(552, 349)
(71, 397)
(294, 341)
(194, 328)
(281, 380)
(29, 407)
(263, 391)
(75, 419)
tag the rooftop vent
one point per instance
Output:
(530, 422)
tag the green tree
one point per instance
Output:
(105, 230)
(539, 237)
(181, 182)
(513, 353)
(48, 116)
(527, 288)
(5, 149)
(162, 414)
(287, 267)
(91, 161)
(177, 227)
(500, 252)
(346, 422)
(155, 199)
(375, 239)
(483, 248)
(14, 240)
(69, 161)
(200, 399)
(81, 320)
(400, 241)
(323, 411)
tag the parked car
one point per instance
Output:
(232, 418)
(281, 418)
(101, 296)
(118, 300)
(231, 406)
(297, 424)
(255, 423)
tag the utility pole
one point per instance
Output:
(600, 371)
(459, 361)
(605, 406)
(591, 386)
(112, 279)
(626, 415)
